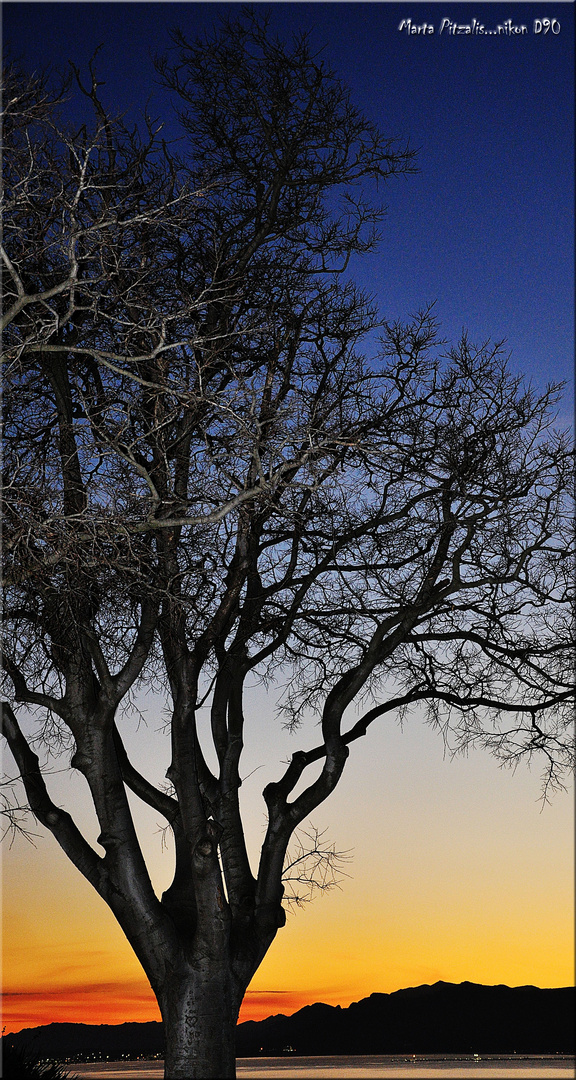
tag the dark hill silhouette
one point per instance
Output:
(444, 1018)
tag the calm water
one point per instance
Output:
(372, 1067)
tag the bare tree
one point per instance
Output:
(312, 865)
(208, 482)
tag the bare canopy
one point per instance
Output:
(208, 479)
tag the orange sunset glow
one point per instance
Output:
(113, 1003)
(440, 894)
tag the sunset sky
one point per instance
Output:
(457, 872)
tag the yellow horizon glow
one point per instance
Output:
(66, 960)
(457, 874)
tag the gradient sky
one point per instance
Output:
(457, 873)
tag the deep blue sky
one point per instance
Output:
(486, 227)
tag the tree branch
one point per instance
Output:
(158, 800)
(51, 816)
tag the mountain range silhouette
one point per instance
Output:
(443, 1018)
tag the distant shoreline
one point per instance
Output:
(361, 1067)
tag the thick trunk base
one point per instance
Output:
(200, 1014)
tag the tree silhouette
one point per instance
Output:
(208, 481)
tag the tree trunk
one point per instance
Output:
(200, 1011)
